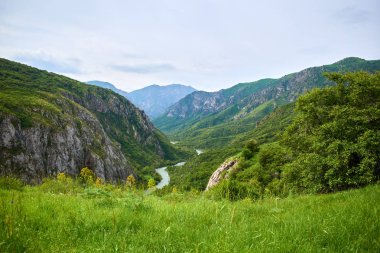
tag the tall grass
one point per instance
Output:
(98, 220)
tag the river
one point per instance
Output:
(165, 175)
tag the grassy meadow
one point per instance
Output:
(42, 219)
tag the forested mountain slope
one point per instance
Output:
(50, 123)
(214, 119)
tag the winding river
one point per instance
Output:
(165, 175)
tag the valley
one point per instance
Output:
(189, 126)
(281, 148)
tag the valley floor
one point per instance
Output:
(96, 220)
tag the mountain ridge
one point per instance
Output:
(228, 112)
(108, 85)
(51, 123)
(155, 99)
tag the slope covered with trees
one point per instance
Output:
(50, 123)
(333, 144)
(217, 119)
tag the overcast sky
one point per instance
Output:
(208, 44)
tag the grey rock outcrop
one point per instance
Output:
(221, 173)
(64, 145)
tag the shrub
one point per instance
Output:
(233, 190)
(11, 183)
(250, 149)
(99, 182)
(87, 176)
(130, 183)
(151, 183)
(63, 184)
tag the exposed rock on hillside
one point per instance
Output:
(50, 123)
(221, 173)
(40, 151)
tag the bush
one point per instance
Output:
(63, 184)
(10, 183)
(335, 139)
(233, 190)
(250, 149)
(87, 176)
(130, 183)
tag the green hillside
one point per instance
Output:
(51, 123)
(198, 169)
(333, 130)
(239, 109)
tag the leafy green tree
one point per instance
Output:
(250, 149)
(335, 139)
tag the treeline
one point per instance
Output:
(333, 144)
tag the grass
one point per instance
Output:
(99, 220)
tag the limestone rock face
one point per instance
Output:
(221, 173)
(44, 150)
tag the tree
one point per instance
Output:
(335, 139)
(250, 149)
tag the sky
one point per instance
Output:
(208, 44)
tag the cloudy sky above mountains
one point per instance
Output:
(209, 44)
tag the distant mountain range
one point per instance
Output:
(211, 119)
(154, 100)
(108, 86)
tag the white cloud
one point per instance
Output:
(49, 62)
(204, 43)
(144, 69)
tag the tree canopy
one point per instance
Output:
(335, 139)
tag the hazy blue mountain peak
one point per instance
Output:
(156, 99)
(108, 85)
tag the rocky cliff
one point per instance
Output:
(50, 124)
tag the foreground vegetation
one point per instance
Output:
(110, 219)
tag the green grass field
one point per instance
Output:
(93, 220)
